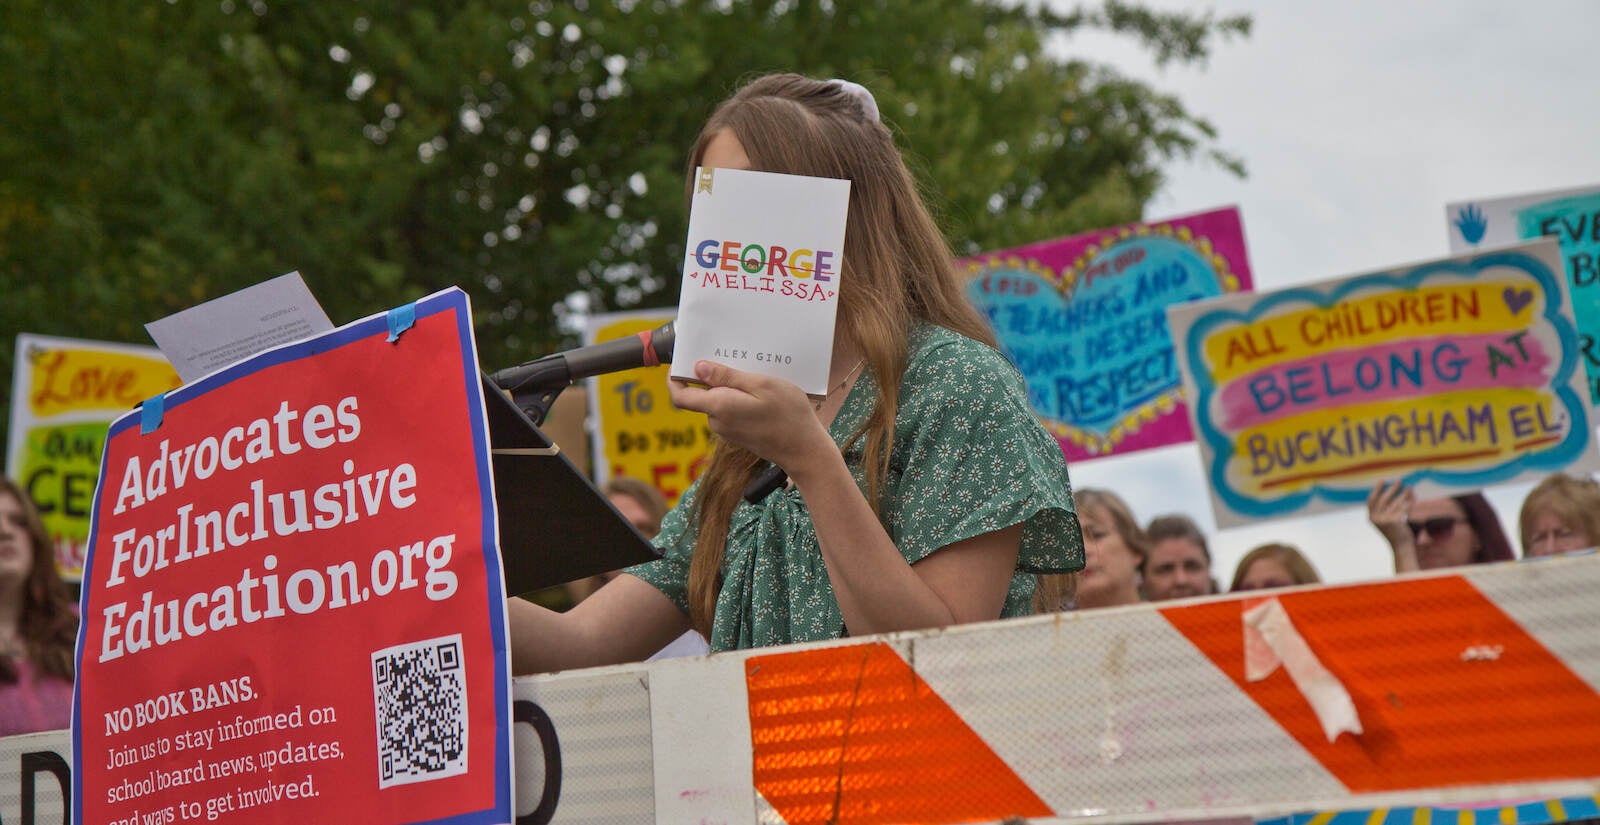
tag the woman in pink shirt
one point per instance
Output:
(38, 622)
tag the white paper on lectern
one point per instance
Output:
(205, 338)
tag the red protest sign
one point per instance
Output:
(293, 602)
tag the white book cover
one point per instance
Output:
(761, 275)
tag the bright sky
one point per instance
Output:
(1358, 122)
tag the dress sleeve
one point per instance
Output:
(675, 543)
(974, 459)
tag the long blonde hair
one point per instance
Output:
(897, 270)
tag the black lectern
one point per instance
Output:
(555, 526)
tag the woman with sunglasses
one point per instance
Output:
(1429, 533)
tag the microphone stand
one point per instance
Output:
(538, 385)
(534, 386)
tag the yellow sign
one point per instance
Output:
(70, 392)
(637, 430)
(86, 379)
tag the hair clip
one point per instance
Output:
(869, 105)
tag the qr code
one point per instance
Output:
(421, 694)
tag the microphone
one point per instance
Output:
(650, 348)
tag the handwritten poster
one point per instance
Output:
(638, 432)
(65, 393)
(1449, 375)
(293, 608)
(1084, 318)
(1572, 217)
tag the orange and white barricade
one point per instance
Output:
(1465, 697)
(1474, 688)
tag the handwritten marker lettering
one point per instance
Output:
(1460, 369)
(801, 273)
(1084, 319)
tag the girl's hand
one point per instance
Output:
(768, 416)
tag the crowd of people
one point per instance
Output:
(1169, 558)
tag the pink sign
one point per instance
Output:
(293, 607)
(1084, 318)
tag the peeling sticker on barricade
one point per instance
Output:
(1421, 701)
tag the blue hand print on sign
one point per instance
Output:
(1471, 223)
(1097, 349)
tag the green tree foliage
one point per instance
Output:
(158, 154)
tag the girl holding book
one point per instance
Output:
(923, 491)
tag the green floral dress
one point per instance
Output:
(969, 458)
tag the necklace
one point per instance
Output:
(817, 404)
